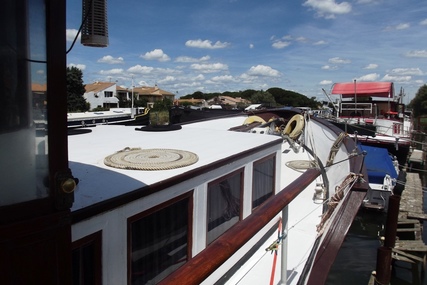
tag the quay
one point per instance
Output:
(403, 239)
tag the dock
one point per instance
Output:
(409, 246)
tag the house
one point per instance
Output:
(228, 101)
(152, 94)
(107, 94)
(101, 94)
(200, 103)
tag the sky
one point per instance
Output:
(233, 45)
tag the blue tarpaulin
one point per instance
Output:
(378, 163)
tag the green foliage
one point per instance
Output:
(164, 104)
(75, 91)
(280, 97)
(419, 103)
(262, 97)
(294, 99)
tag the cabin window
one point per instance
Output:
(263, 180)
(224, 204)
(87, 266)
(159, 241)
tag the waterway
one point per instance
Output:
(357, 257)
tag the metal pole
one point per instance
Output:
(132, 115)
(355, 98)
(284, 258)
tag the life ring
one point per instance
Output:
(253, 119)
(294, 127)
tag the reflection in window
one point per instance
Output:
(86, 256)
(224, 204)
(23, 123)
(159, 242)
(263, 180)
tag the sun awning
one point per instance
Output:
(364, 89)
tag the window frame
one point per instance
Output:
(96, 240)
(260, 161)
(240, 172)
(188, 195)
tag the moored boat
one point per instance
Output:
(197, 205)
(373, 112)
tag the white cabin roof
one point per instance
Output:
(210, 140)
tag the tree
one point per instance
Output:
(75, 91)
(419, 103)
(263, 97)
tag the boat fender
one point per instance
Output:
(294, 127)
(253, 119)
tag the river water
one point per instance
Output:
(357, 257)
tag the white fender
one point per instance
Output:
(294, 127)
(252, 119)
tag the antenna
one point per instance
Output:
(95, 24)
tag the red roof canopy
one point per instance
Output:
(364, 89)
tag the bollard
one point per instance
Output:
(383, 275)
(391, 224)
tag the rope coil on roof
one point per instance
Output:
(150, 159)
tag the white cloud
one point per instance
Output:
(79, 66)
(325, 82)
(140, 69)
(301, 39)
(401, 26)
(71, 34)
(209, 68)
(113, 71)
(328, 67)
(328, 8)
(263, 70)
(371, 66)
(321, 42)
(396, 78)
(337, 60)
(251, 46)
(407, 71)
(167, 79)
(199, 77)
(156, 54)
(191, 59)
(423, 22)
(280, 44)
(417, 53)
(111, 60)
(223, 78)
(206, 44)
(369, 77)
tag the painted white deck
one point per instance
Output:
(87, 153)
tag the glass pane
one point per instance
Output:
(84, 265)
(159, 243)
(223, 205)
(263, 181)
(23, 122)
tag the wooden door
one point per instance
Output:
(36, 186)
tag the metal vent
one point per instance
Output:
(95, 25)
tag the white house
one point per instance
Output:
(101, 94)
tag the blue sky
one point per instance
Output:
(230, 45)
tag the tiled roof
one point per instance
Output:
(156, 91)
(98, 86)
(37, 87)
